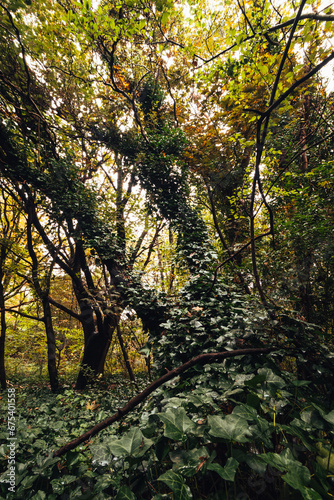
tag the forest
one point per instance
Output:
(167, 249)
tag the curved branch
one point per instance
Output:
(202, 359)
(314, 17)
(306, 77)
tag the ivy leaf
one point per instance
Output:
(283, 461)
(231, 428)
(227, 472)
(124, 493)
(298, 476)
(176, 483)
(40, 495)
(176, 423)
(310, 494)
(312, 418)
(188, 463)
(272, 378)
(245, 411)
(329, 417)
(133, 443)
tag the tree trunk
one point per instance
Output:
(98, 333)
(51, 345)
(3, 381)
(108, 328)
(94, 353)
(304, 265)
(126, 357)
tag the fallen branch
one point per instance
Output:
(202, 359)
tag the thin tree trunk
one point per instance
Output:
(51, 345)
(3, 381)
(224, 243)
(126, 357)
(43, 294)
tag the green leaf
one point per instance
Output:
(256, 463)
(58, 485)
(164, 17)
(231, 428)
(282, 462)
(40, 495)
(141, 24)
(256, 380)
(272, 378)
(310, 494)
(246, 412)
(189, 462)
(329, 417)
(227, 472)
(298, 476)
(300, 383)
(312, 418)
(124, 493)
(176, 423)
(176, 483)
(133, 443)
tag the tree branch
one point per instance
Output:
(29, 316)
(234, 255)
(315, 17)
(202, 359)
(65, 309)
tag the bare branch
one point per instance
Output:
(20, 313)
(202, 359)
(64, 309)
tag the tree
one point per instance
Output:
(90, 107)
(12, 259)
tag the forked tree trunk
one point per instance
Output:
(95, 352)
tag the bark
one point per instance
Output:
(98, 336)
(225, 245)
(109, 323)
(304, 131)
(94, 353)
